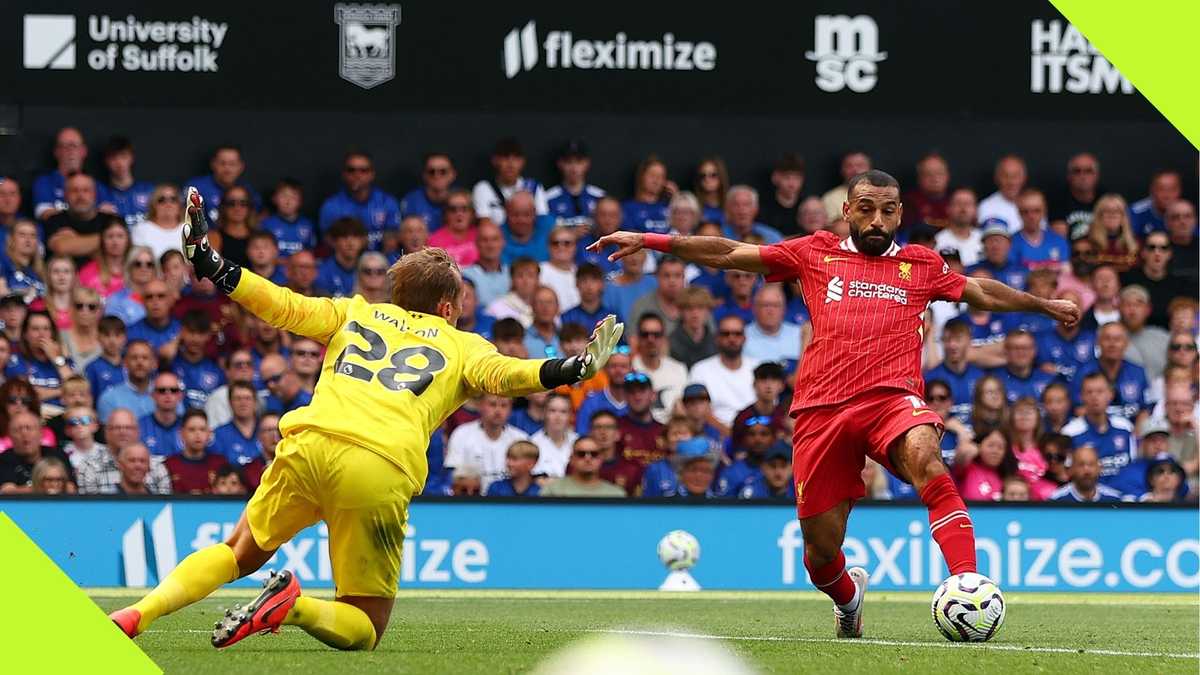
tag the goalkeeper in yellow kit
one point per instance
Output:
(355, 456)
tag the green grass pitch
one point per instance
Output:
(784, 632)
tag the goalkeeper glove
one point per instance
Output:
(207, 262)
(556, 372)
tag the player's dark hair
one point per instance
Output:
(193, 412)
(589, 271)
(115, 145)
(196, 321)
(507, 330)
(424, 279)
(769, 370)
(347, 227)
(873, 177)
(111, 324)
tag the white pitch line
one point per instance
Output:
(898, 643)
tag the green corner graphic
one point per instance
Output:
(1153, 44)
(48, 623)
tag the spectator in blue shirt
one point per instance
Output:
(611, 398)
(608, 218)
(40, 360)
(711, 186)
(1040, 283)
(623, 289)
(1132, 480)
(287, 392)
(378, 211)
(199, 374)
(573, 201)
(757, 435)
(293, 232)
(238, 440)
(1111, 435)
(107, 369)
(336, 274)
(519, 461)
(739, 301)
(129, 196)
(1130, 386)
(1019, 376)
(426, 202)
(301, 272)
(958, 373)
(776, 480)
(158, 328)
(1034, 246)
(997, 260)
(49, 189)
(262, 251)
(768, 336)
(490, 196)
(1064, 349)
(1146, 215)
(541, 338)
(526, 233)
(21, 265)
(652, 191)
(10, 206)
(741, 213)
(490, 274)
(159, 430)
(132, 393)
(1085, 487)
(589, 281)
(228, 169)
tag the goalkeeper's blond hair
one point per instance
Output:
(423, 279)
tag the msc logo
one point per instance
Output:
(833, 292)
(906, 271)
(846, 50)
(49, 42)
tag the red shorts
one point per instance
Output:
(830, 443)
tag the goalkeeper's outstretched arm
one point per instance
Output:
(317, 318)
(493, 373)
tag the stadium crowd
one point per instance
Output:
(127, 375)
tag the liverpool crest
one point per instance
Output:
(906, 271)
(367, 43)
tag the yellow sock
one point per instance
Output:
(194, 579)
(337, 624)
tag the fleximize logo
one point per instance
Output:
(562, 50)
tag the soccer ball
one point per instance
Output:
(679, 550)
(968, 608)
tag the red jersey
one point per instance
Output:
(640, 442)
(193, 475)
(867, 313)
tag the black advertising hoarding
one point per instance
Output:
(822, 59)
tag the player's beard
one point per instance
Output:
(867, 241)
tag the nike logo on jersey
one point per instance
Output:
(832, 258)
(919, 412)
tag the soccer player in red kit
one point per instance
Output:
(859, 390)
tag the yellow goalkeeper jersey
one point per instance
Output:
(390, 376)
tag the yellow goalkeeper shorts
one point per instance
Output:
(362, 496)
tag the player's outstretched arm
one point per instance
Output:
(317, 318)
(994, 296)
(491, 372)
(718, 252)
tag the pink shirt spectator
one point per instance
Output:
(1069, 282)
(461, 249)
(980, 483)
(1032, 467)
(89, 276)
(48, 440)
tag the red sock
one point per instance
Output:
(832, 579)
(950, 524)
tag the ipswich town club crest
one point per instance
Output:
(367, 43)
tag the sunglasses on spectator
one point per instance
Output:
(89, 306)
(374, 271)
(274, 379)
(708, 174)
(458, 207)
(731, 333)
(604, 427)
(310, 353)
(587, 453)
(1157, 247)
(759, 420)
(637, 378)
(232, 203)
(168, 390)
(81, 421)
(155, 296)
(1183, 347)
(562, 242)
(437, 170)
(357, 169)
(1083, 169)
(241, 364)
(651, 333)
(166, 199)
(26, 401)
(143, 263)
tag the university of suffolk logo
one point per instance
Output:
(906, 271)
(834, 291)
(367, 43)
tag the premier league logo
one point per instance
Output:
(367, 43)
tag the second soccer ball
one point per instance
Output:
(679, 550)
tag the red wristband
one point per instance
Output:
(657, 242)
